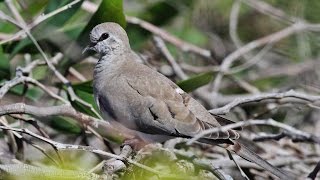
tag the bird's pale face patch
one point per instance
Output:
(108, 38)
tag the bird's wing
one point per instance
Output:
(173, 109)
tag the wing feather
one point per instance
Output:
(172, 106)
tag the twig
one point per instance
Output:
(23, 79)
(5, 17)
(102, 127)
(288, 70)
(77, 74)
(22, 24)
(252, 61)
(44, 17)
(243, 174)
(270, 39)
(278, 162)
(311, 99)
(40, 19)
(233, 24)
(164, 50)
(184, 46)
(199, 69)
(11, 140)
(5, 35)
(31, 121)
(315, 171)
(294, 137)
(29, 142)
(113, 165)
(271, 11)
(269, 122)
(60, 146)
(245, 85)
(17, 36)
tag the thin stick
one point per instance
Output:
(269, 122)
(270, 39)
(60, 146)
(22, 24)
(259, 97)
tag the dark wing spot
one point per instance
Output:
(177, 132)
(133, 88)
(171, 112)
(155, 117)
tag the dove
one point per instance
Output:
(138, 97)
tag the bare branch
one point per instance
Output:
(104, 128)
(61, 146)
(270, 39)
(164, 50)
(22, 34)
(311, 99)
(271, 11)
(20, 78)
(19, 136)
(269, 122)
(184, 46)
(293, 137)
(44, 17)
(22, 24)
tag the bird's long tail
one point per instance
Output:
(249, 155)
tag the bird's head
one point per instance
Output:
(108, 38)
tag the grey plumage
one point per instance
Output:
(141, 98)
(144, 100)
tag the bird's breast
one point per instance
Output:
(115, 100)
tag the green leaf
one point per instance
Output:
(159, 13)
(4, 65)
(270, 82)
(31, 8)
(196, 81)
(65, 124)
(84, 86)
(61, 18)
(108, 11)
(33, 93)
(191, 35)
(84, 91)
(40, 72)
(48, 28)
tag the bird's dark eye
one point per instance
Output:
(103, 36)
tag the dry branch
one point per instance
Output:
(310, 100)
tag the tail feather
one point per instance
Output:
(247, 154)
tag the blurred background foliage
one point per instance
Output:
(204, 23)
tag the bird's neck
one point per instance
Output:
(109, 66)
(105, 64)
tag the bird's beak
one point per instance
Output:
(88, 48)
